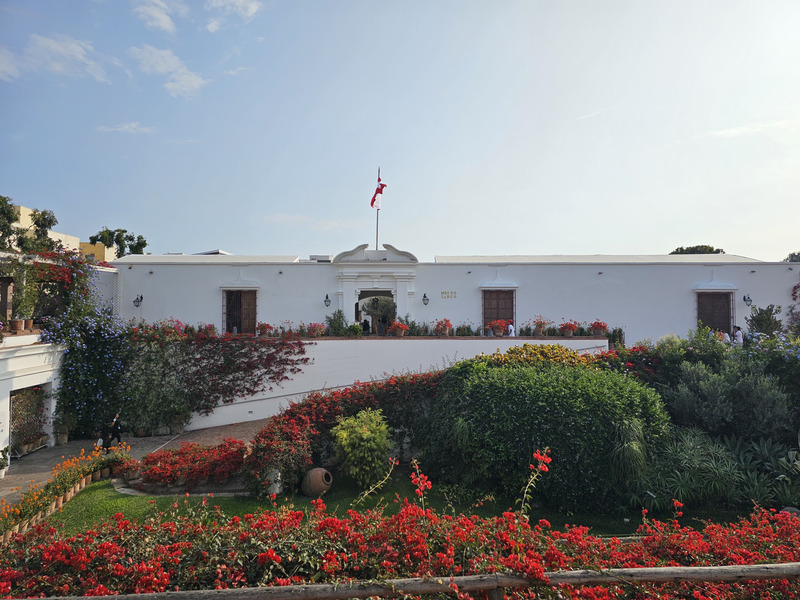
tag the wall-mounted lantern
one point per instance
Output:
(327, 301)
(747, 299)
(425, 299)
(137, 302)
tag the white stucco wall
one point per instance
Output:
(25, 364)
(646, 299)
(339, 363)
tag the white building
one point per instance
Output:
(647, 296)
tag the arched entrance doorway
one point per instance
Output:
(378, 308)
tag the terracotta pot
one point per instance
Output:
(23, 527)
(316, 482)
(7, 536)
(599, 332)
(567, 332)
(28, 324)
(538, 331)
(16, 324)
(59, 502)
(105, 472)
(95, 475)
(497, 331)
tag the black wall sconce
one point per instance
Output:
(327, 301)
(747, 299)
(425, 299)
(137, 302)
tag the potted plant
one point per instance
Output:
(498, 327)
(568, 328)
(3, 461)
(26, 294)
(62, 424)
(539, 323)
(397, 328)
(443, 327)
(598, 327)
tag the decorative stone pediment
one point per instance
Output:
(362, 254)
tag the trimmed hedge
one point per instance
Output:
(487, 422)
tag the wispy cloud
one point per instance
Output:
(320, 225)
(751, 129)
(592, 114)
(133, 127)
(182, 81)
(63, 55)
(9, 65)
(157, 14)
(246, 9)
(235, 71)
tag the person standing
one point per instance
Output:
(511, 332)
(738, 336)
(116, 430)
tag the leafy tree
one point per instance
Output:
(126, 243)
(793, 257)
(35, 238)
(700, 249)
(8, 215)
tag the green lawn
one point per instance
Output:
(100, 500)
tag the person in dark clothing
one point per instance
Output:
(116, 431)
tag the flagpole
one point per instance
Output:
(377, 215)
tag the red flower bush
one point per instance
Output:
(193, 463)
(305, 426)
(201, 548)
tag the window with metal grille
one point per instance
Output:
(240, 311)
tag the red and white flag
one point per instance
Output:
(376, 197)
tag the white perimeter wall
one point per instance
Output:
(339, 363)
(646, 300)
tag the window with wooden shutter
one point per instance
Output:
(714, 310)
(240, 311)
(497, 304)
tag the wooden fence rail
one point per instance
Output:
(473, 583)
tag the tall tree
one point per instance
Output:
(793, 257)
(8, 216)
(701, 249)
(36, 238)
(126, 243)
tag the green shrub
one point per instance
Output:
(486, 422)
(336, 324)
(692, 468)
(764, 320)
(737, 400)
(362, 445)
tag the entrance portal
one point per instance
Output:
(378, 308)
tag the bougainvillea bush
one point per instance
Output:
(193, 463)
(301, 435)
(200, 548)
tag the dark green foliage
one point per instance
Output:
(692, 468)
(126, 243)
(487, 422)
(362, 445)
(764, 320)
(336, 324)
(738, 400)
(699, 249)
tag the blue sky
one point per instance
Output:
(501, 127)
